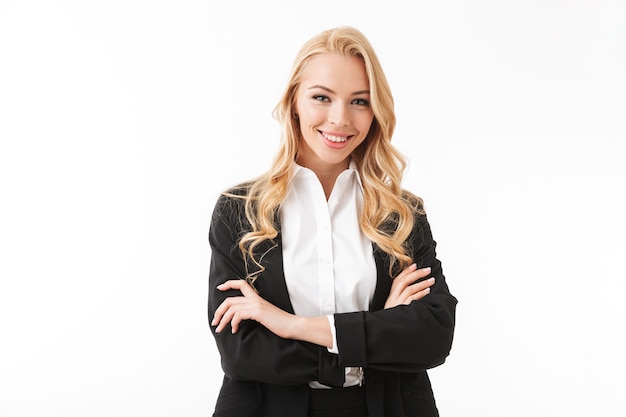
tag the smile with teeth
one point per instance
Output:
(335, 139)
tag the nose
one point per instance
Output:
(339, 115)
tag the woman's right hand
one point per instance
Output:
(405, 289)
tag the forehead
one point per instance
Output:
(337, 72)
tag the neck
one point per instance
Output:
(327, 174)
(327, 179)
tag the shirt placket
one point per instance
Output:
(325, 260)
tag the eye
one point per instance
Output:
(361, 102)
(320, 97)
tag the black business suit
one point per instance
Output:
(266, 375)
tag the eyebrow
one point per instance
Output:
(333, 92)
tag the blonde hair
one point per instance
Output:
(388, 213)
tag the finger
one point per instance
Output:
(219, 319)
(222, 309)
(225, 318)
(418, 295)
(404, 278)
(413, 289)
(416, 275)
(219, 311)
(238, 317)
(234, 323)
(224, 312)
(407, 271)
(237, 284)
(419, 286)
(422, 272)
(402, 282)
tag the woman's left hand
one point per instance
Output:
(405, 288)
(250, 306)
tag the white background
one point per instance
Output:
(120, 122)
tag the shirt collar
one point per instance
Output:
(352, 168)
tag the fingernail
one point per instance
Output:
(431, 279)
(427, 290)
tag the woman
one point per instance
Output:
(326, 296)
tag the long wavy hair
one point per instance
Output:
(388, 212)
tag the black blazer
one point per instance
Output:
(267, 376)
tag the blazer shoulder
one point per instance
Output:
(232, 198)
(415, 202)
(230, 210)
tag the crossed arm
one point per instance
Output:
(406, 287)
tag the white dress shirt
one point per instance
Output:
(328, 262)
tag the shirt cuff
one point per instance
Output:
(333, 332)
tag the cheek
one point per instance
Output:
(309, 115)
(365, 122)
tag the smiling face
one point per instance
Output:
(333, 106)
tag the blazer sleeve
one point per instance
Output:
(405, 338)
(255, 353)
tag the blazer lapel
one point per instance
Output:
(271, 284)
(383, 281)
